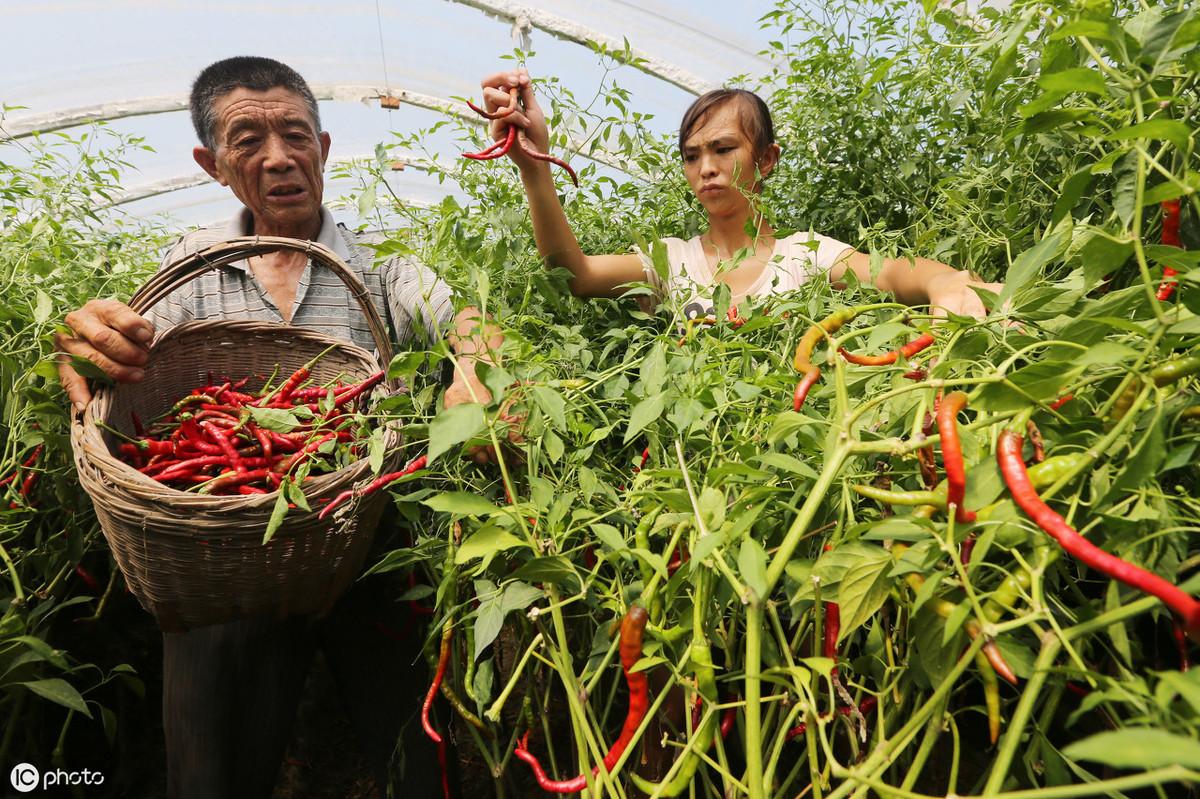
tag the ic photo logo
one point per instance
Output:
(25, 777)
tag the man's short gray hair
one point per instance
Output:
(242, 72)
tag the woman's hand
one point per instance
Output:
(951, 292)
(527, 116)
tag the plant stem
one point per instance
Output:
(753, 679)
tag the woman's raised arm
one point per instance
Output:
(594, 275)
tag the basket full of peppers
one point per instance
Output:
(209, 490)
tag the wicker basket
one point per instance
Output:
(194, 559)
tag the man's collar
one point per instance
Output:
(241, 223)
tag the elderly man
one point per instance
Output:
(230, 691)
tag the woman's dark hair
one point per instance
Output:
(242, 72)
(753, 112)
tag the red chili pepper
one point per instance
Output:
(88, 579)
(1012, 467)
(1061, 401)
(864, 707)
(965, 549)
(908, 350)
(497, 150)
(833, 628)
(952, 460)
(811, 376)
(443, 661)
(358, 389)
(499, 113)
(25, 464)
(232, 480)
(1170, 237)
(374, 486)
(527, 148)
(633, 627)
(1181, 644)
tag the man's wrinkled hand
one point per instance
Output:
(110, 335)
(462, 391)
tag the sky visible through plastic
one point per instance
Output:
(64, 55)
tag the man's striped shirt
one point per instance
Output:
(413, 301)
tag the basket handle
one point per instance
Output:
(188, 268)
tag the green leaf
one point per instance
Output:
(752, 565)
(1171, 130)
(864, 588)
(785, 463)
(552, 404)
(279, 420)
(460, 503)
(644, 413)
(1079, 79)
(59, 692)
(1139, 749)
(486, 543)
(1028, 265)
(278, 513)
(90, 370)
(454, 426)
(44, 307)
(609, 536)
(518, 596)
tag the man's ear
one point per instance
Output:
(325, 142)
(768, 160)
(208, 162)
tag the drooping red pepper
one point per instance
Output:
(864, 707)
(1170, 237)
(908, 350)
(952, 459)
(375, 485)
(1012, 467)
(438, 676)
(497, 150)
(633, 627)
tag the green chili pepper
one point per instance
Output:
(936, 497)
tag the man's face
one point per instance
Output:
(269, 152)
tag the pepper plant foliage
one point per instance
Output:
(1032, 144)
(61, 244)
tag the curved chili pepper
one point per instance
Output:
(952, 460)
(864, 707)
(527, 148)
(499, 113)
(1012, 468)
(374, 485)
(1170, 237)
(832, 629)
(908, 350)
(25, 464)
(802, 361)
(937, 497)
(358, 389)
(498, 150)
(1061, 401)
(633, 627)
(991, 694)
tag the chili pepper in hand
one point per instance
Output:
(908, 350)
(1012, 468)
(633, 627)
(528, 149)
(497, 150)
(1170, 237)
(499, 113)
(952, 460)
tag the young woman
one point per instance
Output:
(727, 141)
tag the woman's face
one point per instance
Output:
(718, 160)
